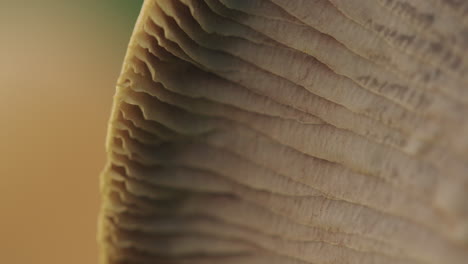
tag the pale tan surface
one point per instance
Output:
(58, 65)
(289, 131)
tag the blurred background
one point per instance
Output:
(59, 61)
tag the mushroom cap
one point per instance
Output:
(289, 131)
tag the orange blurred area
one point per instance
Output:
(59, 61)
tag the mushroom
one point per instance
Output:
(289, 131)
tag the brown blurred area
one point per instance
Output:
(59, 61)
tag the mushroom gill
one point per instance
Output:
(289, 131)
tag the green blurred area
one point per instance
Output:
(125, 10)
